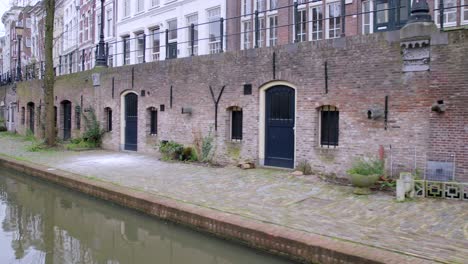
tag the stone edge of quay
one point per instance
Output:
(293, 244)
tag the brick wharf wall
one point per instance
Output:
(362, 71)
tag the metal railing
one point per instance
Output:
(304, 23)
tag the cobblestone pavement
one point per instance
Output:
(428, 228)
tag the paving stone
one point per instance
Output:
(430, 228)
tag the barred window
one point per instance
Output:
(234, 123)
(108, 118)
(153, 121)
(329, 125)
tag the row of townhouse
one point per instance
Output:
(137, 31)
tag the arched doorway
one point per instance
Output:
(130, 102)
(31, 116)
(277, 126)
(66, 119)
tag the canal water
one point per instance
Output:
(45, 223)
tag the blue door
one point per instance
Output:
(131, 122)
(279, 134)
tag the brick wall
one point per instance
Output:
(362, 70)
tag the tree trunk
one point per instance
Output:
(49, 74)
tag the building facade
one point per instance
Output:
(320, 19)
(142, 24)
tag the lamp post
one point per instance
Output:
(101, 60)
(19, 34)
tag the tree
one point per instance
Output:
(49, 74)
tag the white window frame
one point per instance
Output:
(171, 40)
(270, 6)
(272, 40)
(139, 49)
(246, 35)
(327, 20)
(260, 7)
(214, 46)
(155, 3)
(446, 14)
(127, 60)
(262, 29)
(463, 18)
(370, 14)
(312, 33)
(110, 22)
(246, 8)
(155, 55)
(126, 8)
(302, 34)
(192, 19)
(140, 6)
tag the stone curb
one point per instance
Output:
(296, 245)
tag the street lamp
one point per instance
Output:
(101, 60)
(19, 34)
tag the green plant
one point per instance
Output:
(305, 167)
(29, 135)
(93, 133)
(80, 144)
(171, 150)
(387, 183)
(207, 147)
(186, 154)
(367, 167)
(37, 147)
(3, 127)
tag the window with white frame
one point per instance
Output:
(214, 16)
(302, 26)
(246, 34)
(110, 56)
(260, 5)
(450, 13)
(172, 26)
(367, 17)
(464, 12)
(333, 22)
(273, 4)
(272, 31)
(140, 5)
(98, 28)
(156, 43)
(246, 7)
(110, 24)
(261, 31)
(126, 50)
(192, 19)
(316, 13)
(126, 8)
(154, 3)
(140, 45)
(90, 22)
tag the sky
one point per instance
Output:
(4, 5)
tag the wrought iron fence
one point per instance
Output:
(314, 24)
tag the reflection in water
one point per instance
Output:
(43, 223)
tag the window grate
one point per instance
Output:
(329, 126)
(154, 122)
(236, 127)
